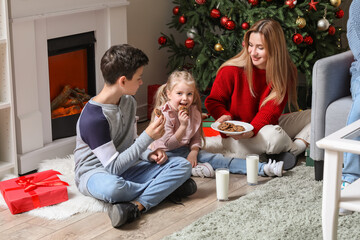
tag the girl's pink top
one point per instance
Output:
(192, 136)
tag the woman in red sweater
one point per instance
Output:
(254, 86)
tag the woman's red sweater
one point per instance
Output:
(230, 95)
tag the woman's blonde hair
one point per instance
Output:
(176, 77)
(281, 72)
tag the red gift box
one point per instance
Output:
(34, 191)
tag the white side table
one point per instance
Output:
(335, 145)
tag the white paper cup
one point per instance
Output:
(222, 183)
(252, 165)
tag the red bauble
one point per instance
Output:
(162, 40)
(200, 1)
(245, 25)
(215, 13)
(176, 10)
(298, 38)
(189, 43)
(339, 14)
(223, 20)
(253, 2)
(331, 30)
(290, 3)
(308, 40)
(182, 19)
(230, 25)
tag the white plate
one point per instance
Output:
(248, 127)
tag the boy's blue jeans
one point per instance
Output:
(146, 182)
(216, 160)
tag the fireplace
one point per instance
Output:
(34, 27)
(71, 80)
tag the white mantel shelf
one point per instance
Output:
(23, 13)
(32, 9)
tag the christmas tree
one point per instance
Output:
(215, 31)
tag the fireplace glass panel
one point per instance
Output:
(71, 80)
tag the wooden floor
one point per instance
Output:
(160, 221)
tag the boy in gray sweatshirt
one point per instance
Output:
(107, 154)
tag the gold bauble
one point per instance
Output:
(218, 47)
(335, 3)
(300, 22)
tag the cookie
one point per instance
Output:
(185, 109)
(158, 112)
(238, 128)
(224, 125)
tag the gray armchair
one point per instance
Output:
(331, 101)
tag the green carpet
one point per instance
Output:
(283, 208)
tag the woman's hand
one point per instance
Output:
(192, 157)
(156, 129)
(159, 156)
(242, 135)
(224, 118)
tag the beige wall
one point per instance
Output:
(146, 19)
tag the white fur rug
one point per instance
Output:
(77, 202)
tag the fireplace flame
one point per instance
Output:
(70, 101)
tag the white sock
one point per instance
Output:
(299, 147)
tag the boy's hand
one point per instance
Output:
(159, 156)
(156, 129)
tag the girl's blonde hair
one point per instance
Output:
(176, 77)
(281, 72)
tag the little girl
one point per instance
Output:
(183, 130)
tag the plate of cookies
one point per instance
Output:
(232, 127)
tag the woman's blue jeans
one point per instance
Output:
(351, 170)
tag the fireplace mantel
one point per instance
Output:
(33, 22)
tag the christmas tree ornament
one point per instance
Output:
(339, 14)
(253, 2)
(162, 40)
(331, 30)
(230, 25)
(176, 10)
(335, 3)
(323, 24)
(200, 1)
(312, 5)
(308, 40)
(298, 38)
(191, 33)
(245, 25)
(223, 20)
(300, 22)
(218, 47)
(182, 19)
(290, 3)
(189, 43)
(215, 13)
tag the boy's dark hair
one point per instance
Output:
(121, 60)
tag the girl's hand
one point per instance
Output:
(183, 118)
(159, 156)
(192, 157)
(224, 118)
(242, 135)
(156, 129)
